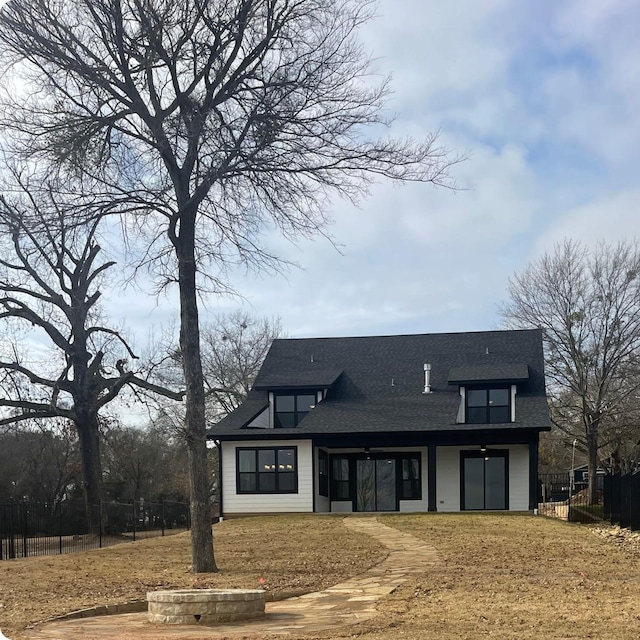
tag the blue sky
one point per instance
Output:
(544, 97)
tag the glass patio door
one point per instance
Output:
(376, 485)
(484, 482)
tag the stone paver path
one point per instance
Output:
(343, 604)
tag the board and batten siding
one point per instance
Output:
(234, 503)
(448, 476)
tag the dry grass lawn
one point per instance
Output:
(513, 576)
(291, 554)
(502, 576)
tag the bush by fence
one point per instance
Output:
(33, 529)
(622, 499)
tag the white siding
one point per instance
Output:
(448, 477)
(518, 477)
(265, 502)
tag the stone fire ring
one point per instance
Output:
(205, 606)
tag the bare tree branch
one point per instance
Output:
(588, 305)
(207, 122)
(50, 281)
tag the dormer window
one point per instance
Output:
(488, 406)
(291, 408)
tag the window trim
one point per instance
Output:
(277, 490)
(296, 413)
(487, 407)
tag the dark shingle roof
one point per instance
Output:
(382, 381)
(314, 378)
(489, 373)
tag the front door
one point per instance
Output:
(376, 484)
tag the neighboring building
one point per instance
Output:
(432, 422)
(581, 478)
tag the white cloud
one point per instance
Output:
(612, 219)
(545, 98)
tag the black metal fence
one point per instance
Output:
(558, 497)
(622, 499)
(35, 529)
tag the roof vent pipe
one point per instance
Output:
(427, 378)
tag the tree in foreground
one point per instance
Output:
(233, 347)
(50, 277)
(209, 121)
(588, 305)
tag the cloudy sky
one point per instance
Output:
(545, 100)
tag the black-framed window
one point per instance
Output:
(488, 405)
(323, 473)
(340, 478)
(484, 480)
(291, 408)
(410, 483)
(267, 470)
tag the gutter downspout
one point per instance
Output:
(219, 447)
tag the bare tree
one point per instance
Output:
(50, 275)
(233, 349)
(210, 120)
(588, 305)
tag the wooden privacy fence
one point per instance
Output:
(35, 529)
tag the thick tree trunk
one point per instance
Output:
(89, 437)
(201, 536)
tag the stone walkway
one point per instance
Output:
(347, 603)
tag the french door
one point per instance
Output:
(376, 485)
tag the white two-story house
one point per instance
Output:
(430, 422)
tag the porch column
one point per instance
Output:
(533, 473)
(431, 478)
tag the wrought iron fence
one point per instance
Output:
(622, 499)
(36, 529)
(559, 497)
